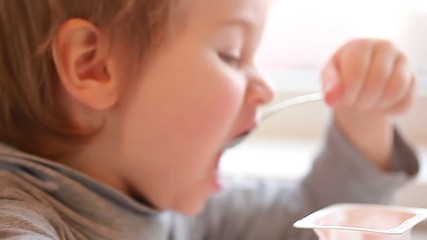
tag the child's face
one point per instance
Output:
(198, 92)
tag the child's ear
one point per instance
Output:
(80, 52)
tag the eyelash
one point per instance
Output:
(230, 59)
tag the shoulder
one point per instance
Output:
(22, 220)
(22, 214)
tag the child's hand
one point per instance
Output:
(366, 82)
(369, 75)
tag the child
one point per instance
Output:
(114, 118)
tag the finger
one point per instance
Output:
(332, 88)
(354, 60)
(384, 58)
(406, 102)
(398, 85)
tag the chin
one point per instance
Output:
(190, 207)
(192, 210)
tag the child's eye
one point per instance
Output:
(230, 59)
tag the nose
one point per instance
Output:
(259, 91)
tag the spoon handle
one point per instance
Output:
(291, 102)
(306, 98)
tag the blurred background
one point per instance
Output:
(300, 36)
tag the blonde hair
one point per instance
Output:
(31, 117)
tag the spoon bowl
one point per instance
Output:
(278, 107)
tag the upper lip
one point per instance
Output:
(245, 130)
(236, 138)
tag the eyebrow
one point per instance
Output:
(246, 23)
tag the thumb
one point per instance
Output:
(331, 84)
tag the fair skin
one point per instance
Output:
(369, 82)
(163, 136)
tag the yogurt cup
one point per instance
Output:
(363, 222)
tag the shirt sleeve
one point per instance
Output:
(261, 209)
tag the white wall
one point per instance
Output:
(303, 33)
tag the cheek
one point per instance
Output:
(222, 110)
(218, 105)
(175, 123)
(206, 97)
(218, 94)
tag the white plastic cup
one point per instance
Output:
(363, 222)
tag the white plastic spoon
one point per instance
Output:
(295, 101)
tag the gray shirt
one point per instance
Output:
(40, 199)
